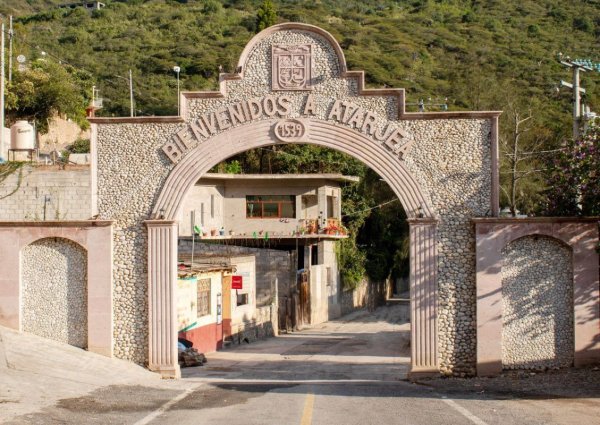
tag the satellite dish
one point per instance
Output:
(21, 59)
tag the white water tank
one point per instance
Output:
(21, 136)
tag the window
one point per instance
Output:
(242, 299)
(330, 200)
(203, 304)
(270, 206)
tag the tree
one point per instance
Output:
(265, 16)
(574, 177)
(46, 89)
(523, 139)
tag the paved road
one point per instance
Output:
(349, 371)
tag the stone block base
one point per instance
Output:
(167, 372)
(420, 374)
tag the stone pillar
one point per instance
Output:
(423, 296)
(162, 297)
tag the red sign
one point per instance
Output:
(236, 282)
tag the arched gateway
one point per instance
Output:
(292, 86)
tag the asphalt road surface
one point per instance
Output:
(350, 371)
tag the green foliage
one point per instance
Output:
(47, 89)
(574, 177)
(265, 16)
(212, 6)
(79, 146)
(383, 234)
(293, 159)
(232, 167)
(351, 262)
(582, 23)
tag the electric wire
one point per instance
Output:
(372, 208)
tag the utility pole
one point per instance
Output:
(576, 88)
(130, 94)
(10, 50)
(2, 91)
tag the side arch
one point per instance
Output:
(58, 233)
(493, 235)
(539, 232)
(258, 134)
(537, 303)
(55, 290)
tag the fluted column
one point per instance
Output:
(423, 296)
(162, 310)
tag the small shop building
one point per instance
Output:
(216, 302)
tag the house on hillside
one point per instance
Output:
(88, 5)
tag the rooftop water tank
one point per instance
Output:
(21, 136)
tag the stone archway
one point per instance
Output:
(259, 134)
(443, 166)
(162, 232)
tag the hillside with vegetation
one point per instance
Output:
(468, 54)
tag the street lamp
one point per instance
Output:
(177, 70)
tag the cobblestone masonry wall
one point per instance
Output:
(54, 274)
(449, 160)
(271, 266)
(537, 298)
(68, 191)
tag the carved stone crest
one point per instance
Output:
(291, 67)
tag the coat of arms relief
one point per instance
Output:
(291, 67)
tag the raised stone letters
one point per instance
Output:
(291, 67)
(344, 112)
(172, 151)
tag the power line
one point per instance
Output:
(372, 208)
